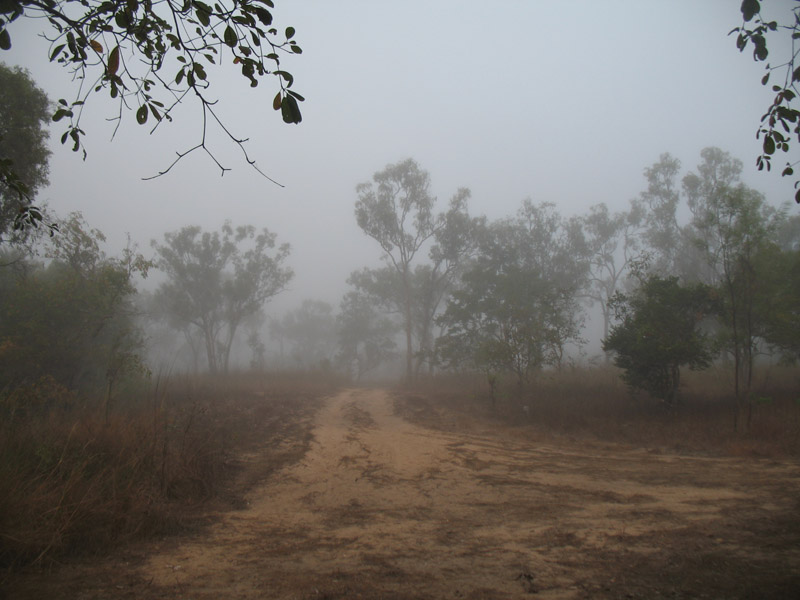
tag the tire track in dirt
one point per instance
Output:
(382, 508)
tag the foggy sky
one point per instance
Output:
(565, 102)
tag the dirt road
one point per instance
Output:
(383, 508)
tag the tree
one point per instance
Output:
(659, 332)
(74, 319)
(366, 339)
(776, 298)
(396, 210)
(731, 225)
(659, 203)
(453, 242)
(780, 124)
(613, 245)
(734, 227)
(310, 330)
(24, 116)
(150, 56)
(216, 280)
(517, 305)
(685, 249)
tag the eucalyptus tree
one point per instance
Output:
(613, 244)
(730, 227)
(396, 209)
(215, 280)
(454, 244)
(517, 305)
(737, 227)
(310, 331)
(662, 233)
(366, 336)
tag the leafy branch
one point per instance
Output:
(148, 55)
(780, 125)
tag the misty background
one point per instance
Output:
(558, 102)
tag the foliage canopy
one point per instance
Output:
(659, 332)
(218, 279)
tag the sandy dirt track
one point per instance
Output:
(384, 507)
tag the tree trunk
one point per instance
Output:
(408, 323)
(211, 351)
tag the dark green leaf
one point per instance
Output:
(749, 9)
(787, 171)
(204, 17)
(769, 145)
(741, 42)
(289, 33)
(141, 114)
(760, 51)
(76, 140)
(297, 49)
(61, 113)
(113, 62)
(264, 16)
(276, 103)
(290, 110)
(200, 71)
(287, 76)
(230, 37)
(56, 51)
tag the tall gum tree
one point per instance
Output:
(396, 210)
(218, 279)
(613, 242)
(517, 305)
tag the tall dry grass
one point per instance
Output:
(73, 482)
(593, 403)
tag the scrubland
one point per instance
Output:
(294, 485)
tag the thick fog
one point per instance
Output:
(563, 102)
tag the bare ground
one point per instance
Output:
(389, 503)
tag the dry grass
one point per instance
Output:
(594, 403)
(70, 482)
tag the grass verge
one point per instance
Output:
(592, 403)
(74, 483)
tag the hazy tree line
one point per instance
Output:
(697, 268)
